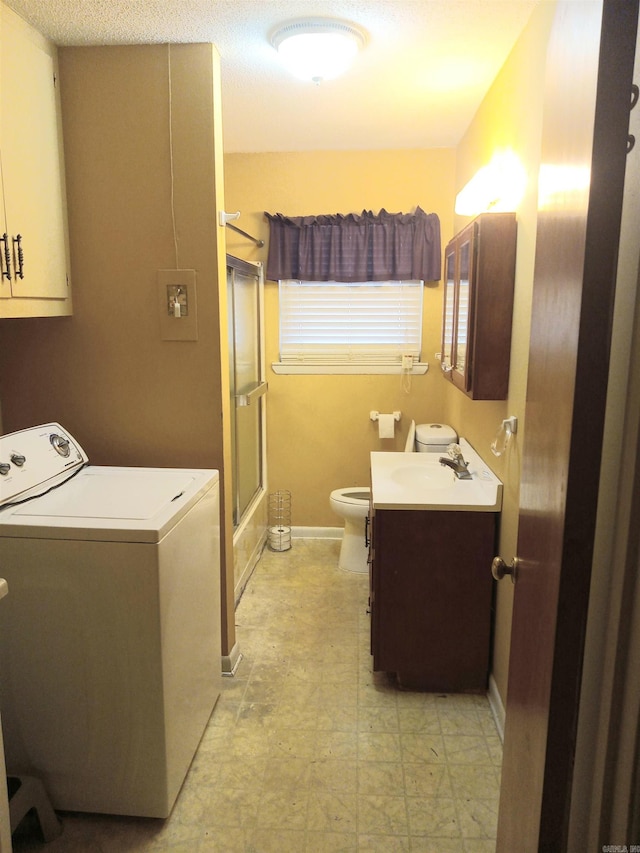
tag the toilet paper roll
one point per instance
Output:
(386, 426)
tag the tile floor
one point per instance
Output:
(308, 750)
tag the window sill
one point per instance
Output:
(362, 369)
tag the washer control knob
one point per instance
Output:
(4, 468)
(18, 459)
(60, 444)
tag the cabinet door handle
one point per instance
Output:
(367, 540)
(18, 253)
(6, 254)
(499, 569)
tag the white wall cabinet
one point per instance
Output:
(34, 252)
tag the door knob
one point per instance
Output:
(499, 568)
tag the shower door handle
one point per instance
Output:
(246, 399)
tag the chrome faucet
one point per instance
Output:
(456, 461)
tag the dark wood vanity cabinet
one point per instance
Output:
(431, 597)
(479, 276)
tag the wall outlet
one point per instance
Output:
(177, 301)
(178, 305)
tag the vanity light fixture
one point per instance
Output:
(497, 187)
(317, 49)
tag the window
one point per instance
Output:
(356, 324)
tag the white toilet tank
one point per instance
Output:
(434, 438)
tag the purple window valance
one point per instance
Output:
(355, 247)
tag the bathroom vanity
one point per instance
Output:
(432, 542)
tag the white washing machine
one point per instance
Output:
(110, 658)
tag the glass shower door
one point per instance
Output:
(246, 381)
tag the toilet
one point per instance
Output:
(352, 504)
(434, 438)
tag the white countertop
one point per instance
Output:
(419, 481)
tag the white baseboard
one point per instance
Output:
(497, 708)
(317, 532)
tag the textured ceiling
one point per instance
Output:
(417, 83)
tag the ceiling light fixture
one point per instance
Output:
(317, 49)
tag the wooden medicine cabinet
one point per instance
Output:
(479, 276)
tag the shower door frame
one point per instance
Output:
(248, 268)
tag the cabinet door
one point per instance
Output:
(461, 373)
(5, 254)
(32, 162)
(431, 614)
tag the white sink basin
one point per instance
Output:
(423, 476)
(419, 481)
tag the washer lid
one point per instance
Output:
(122, 494)
(435, 434)
(114, 504)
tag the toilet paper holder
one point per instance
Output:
(373, 416)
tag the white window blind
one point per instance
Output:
(361, 322)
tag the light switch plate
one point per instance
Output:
(180, 286)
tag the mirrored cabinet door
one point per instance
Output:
(460, 362)
(448, 314)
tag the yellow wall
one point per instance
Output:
(510, 117)
(319, 433)
(129, 397)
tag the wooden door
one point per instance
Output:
(586, 112)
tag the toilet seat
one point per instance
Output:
(355, 496)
